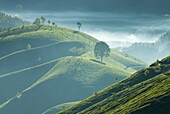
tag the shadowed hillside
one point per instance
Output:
(59, 107)
(44, 65)
(146, 91)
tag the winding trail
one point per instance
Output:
(25, 50)
(26, 69)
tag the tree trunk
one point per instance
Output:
(101, 58)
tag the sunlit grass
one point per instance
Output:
(135, 93)
(85, 68)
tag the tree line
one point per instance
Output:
(7, 22)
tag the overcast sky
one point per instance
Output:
(136, 6)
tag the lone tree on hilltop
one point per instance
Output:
(101, 50)
(53, 23)
(37, 21)
(79, 25)
(49, 22)
(43, 19)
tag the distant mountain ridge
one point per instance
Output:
(143, 51)
(8, 21)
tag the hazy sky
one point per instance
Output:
(124, 20)
(136, 6)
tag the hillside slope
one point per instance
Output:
(59, 107)
(69, 77)
(32, 43)
(46, 65)
(146, 91)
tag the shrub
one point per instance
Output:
(77, 51)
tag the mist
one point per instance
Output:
(108, 26)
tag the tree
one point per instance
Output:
(53, 23)
(101, 50)
(37, 21)
(43, 19)
(49, 22)
(79, 25)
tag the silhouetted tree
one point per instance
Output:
(53, 23)
(79, 25)
(37, 21)
(101, 50)
(43, 19)
(49, 22)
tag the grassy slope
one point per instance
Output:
(34, 35)
(46, 32)
(47, 43)
(82, 70)
(59, 107)
(18, 38)
(35, 56)
(80, 74)
(145, 91)
(54, 35)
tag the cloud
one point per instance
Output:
(134, 6)
(122, 36)
(108, 26)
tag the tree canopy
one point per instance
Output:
(79, 25)
(37, 21)
(101, 50)
(7, 21)
(43, 19)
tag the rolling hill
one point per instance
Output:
(146, 91)
(43, 66)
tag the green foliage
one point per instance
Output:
(7, 21)
(43, 19)
(18, 30)
(101, 50)
(80, 69)
(157, 69)
(49, 22)
(53, 23)
(37, 21)
(60, 107)
(146, 72)
(77, 51)
(33, 31)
